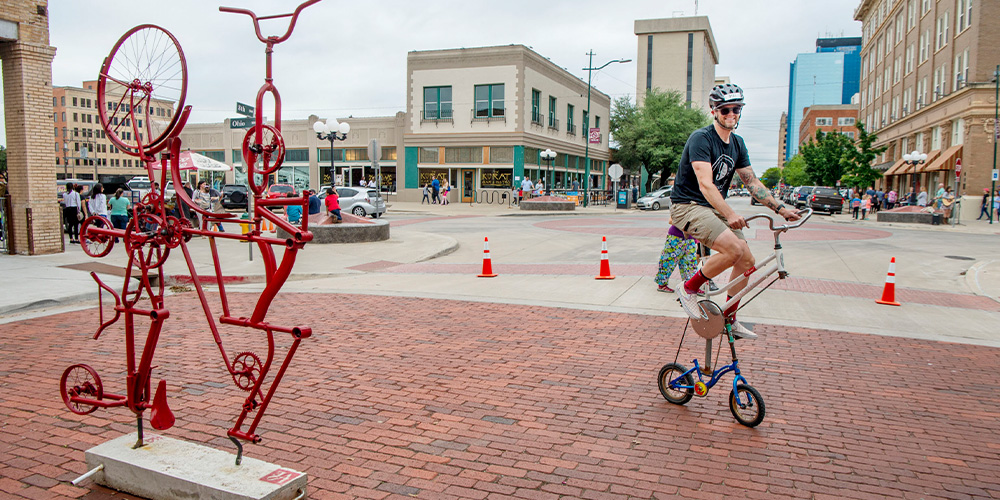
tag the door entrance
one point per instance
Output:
(468, 186)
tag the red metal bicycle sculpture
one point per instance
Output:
(140, 96)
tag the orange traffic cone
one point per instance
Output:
(487, 263)
(605, 266)
(270, 226)
(889, 292)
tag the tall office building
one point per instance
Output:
(676, 54)
(828, 76)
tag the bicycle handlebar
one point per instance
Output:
(256, 20)
(785, 227)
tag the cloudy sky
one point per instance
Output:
(349, 58)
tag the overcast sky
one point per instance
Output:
(349, 58)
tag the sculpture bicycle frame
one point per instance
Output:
(150, 63)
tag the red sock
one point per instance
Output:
(692, 285)
(731, 310)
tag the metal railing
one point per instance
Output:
(488, 118)
(493, 197)
(571, 129)
(536, 118)
(440, 116)
(554, 123)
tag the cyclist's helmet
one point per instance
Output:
(727, 93)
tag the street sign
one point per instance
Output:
(838, 183)
(615, 171)
(958, 168)
(996, 177)
(594, 137)
(241, 122)
(244, 109)
(374, 152)
(83, 152)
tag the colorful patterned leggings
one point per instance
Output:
(677, 252)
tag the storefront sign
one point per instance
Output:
(594, 137)
(496, 178)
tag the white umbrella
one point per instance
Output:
(190, 160)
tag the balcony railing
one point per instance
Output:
(483, 115)
(554, 123)
(570, 129)
(441, 116)
(536, 118)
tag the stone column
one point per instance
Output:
(35, 218)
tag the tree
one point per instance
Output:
(825, 157)
(858, 172)
(794, 172)
(653, 136)
(771, 177)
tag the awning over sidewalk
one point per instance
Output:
(944, 162)
(895, 169)
(908, 169)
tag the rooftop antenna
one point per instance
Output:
(696, 7)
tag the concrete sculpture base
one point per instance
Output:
(353, 230)
(548, 203)
(166, 468)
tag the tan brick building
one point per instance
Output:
(679, 54)
(927, 84)
(34, 218)
(782, 137)
(828, 118)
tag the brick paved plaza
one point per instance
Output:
(402, 398)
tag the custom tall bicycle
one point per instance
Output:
(140, 96)
(676, 382)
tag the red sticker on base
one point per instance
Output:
(280, 476)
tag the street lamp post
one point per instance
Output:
(915, 158)
(586, 155)
(329, 132)
(996, 136)
(548, 155)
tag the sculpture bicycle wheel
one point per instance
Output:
(141, 231)
(95, 244)
(141, 89)
(269, 147)
(80, 381)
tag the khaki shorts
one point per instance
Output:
(704, 223)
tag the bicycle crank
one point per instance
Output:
(700, 389)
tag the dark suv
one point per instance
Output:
(235, 196)
(826, 199)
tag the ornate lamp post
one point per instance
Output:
(915, 158)
(329, 132)
(586, 155)
(548, 155)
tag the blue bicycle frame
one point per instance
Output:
(716, 375)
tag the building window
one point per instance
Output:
(911, 14)
(355, 154)
(74, 102)
(489, 100)
(553, 121)
(935, 138)
(437, 103)
(849, 134)
(531, 155)
(569, 119)
(463, 155)
(942, 32)
(428, 155)
(586, 124)
(907, 103)
(536, 106)
(824, 122)
(896, 67)
(62, 101)
(899, 27)
(501, 154)
(290, 155)
(925, 5)
(324, 155)
(958, 132)
(909, 59)
(388, 153)
(925, 45)
(961, 70)
(845, 121)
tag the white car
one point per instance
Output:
(656, 200)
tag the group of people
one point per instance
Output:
(984, 209)
(436, 192)
(115, 210)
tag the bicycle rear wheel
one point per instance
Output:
(751, 412)
(141, 89)
(676, 395)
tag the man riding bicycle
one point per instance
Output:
(711, 156)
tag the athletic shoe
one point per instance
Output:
(689, 302)
(742, 332)
(712, 287)
(664, 288)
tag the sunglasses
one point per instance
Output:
(734, 109)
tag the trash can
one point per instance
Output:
(624, 201)
(936, 219)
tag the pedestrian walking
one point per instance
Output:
(72, 212)
(526, 187)
(984, 207)
(427, 194)
(445, 189)
(435, 191)
(866, 204)
(855, 206)
(679, 250)
(890, 199)
(98, 204)
(119, 210)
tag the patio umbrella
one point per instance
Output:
(189, 160)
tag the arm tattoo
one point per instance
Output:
(757, 189)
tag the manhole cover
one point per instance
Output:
(958, 257)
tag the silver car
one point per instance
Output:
(656, 200)
(360, 201)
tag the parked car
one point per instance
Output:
(826, 199)
(235, 196)
(656, 200)
(359, 201)
(801, 196)
(279, 191)
(138, 187)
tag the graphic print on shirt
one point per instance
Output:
(721, 168)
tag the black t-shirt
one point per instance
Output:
(706, 145)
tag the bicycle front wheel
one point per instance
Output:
(141, 89)
(749, 410)
(674, 394)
